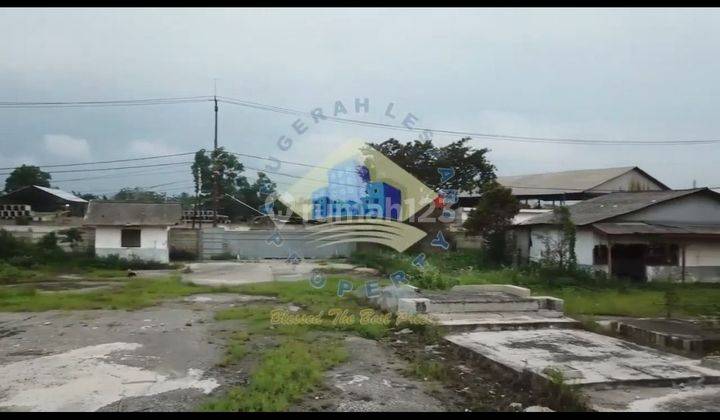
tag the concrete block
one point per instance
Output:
(413, 306)
(549, 302)
(505, 288)
(388, 300)
(458, 307)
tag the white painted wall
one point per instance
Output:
(153, 243)
(702, 254)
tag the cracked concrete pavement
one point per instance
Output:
(160, 358)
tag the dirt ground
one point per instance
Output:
(161, 359)
(166, 358)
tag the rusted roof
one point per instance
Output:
(614, 204)
(116, 213)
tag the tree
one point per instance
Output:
(225, 166)
(26, 175)
(560, 252)
(140, 194)
(422, 159)
(71, 236)
(89, 196)
(492, 217)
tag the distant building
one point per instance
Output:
(574, 185)
(46, 200)
(646, 236)
(131, 229)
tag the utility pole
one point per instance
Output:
(216, 168)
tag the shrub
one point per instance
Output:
(11, 246)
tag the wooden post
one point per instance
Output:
(609, 261)
(683, 262)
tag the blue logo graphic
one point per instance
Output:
(317, 280)
(267, 208)
(344, 286)
(275, 239)
(446, 173)
(351, 193)
(372, 289)
(419, 261)
(448, 215)
(293, 258)
(450, 196)
(440, 241)
(398, 278)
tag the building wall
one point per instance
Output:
(631, 181)
(695, 209)
(153, 243)
(702, 257)
(258, 243)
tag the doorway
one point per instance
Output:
(628, 261)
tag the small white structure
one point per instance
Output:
(648, 236)
(131, 229)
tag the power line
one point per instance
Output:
(111, 169)
(105, 103)
(108, 161)
(290, 111)
(487, 136)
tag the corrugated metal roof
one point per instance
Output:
(614, 204)
(640, 228)
(114, 213)
(61, 194)
(561, 182)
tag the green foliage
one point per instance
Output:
(26, 175)
(133, 294)
(560, 252)
(10, 273)
(422, 159)
(428, 370)
(284, 375)
(71, 236)
(491, 218)
(139, 194)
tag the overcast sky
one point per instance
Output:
(643, 74)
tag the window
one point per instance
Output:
(662, 254)
(600, 255)
(130, 238)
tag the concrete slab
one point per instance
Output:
(504, 320)
(698, 398)
(592, 358)
(236, 273)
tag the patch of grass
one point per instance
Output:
(284, 375)
(428, 370)
(236, 348)
(10, 273)
(133, 294)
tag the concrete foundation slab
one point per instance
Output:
(598, 359)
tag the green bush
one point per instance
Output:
(223, 256)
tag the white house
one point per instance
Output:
(648, 236)
(131, 229)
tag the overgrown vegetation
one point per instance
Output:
(132, 294)
(584, 292)
(305, 351)
(284, 375)
(46, 254)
